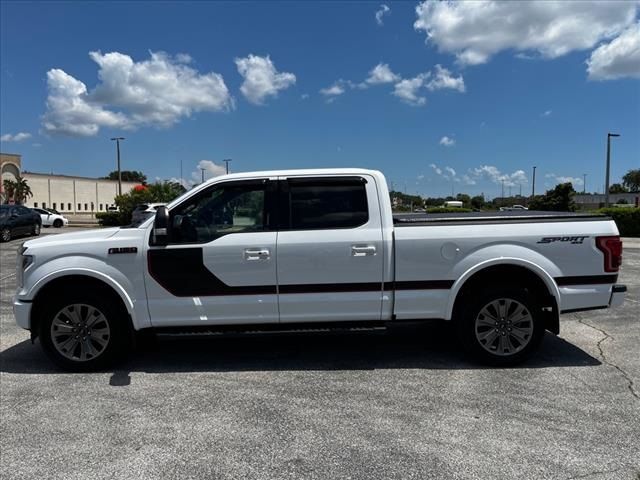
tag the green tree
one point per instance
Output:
(128, 176)
(631, 180)
(478, 202)
(558, 199)
(159, 192)
(18, 189)
(617, 188)
(165, 191)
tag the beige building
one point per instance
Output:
(67, 194)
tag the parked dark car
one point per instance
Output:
(16, 220)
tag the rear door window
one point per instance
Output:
(327, 203)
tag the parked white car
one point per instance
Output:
(314, 249)
(50, 219)
(513, 207)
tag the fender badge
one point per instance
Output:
(123, 250)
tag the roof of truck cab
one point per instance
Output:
(296, 172)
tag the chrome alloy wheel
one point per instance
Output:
(504, 327)
(80, 332)
(5, 234)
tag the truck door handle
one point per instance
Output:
(256, 254)
(362, 250)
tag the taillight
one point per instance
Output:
(612, 249)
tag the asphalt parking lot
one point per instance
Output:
(398, 405)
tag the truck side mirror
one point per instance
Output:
(160, 233)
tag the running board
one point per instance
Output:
(212, 330)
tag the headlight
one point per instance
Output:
(23, 262)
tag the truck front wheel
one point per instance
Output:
(82, 332)
(501, 326)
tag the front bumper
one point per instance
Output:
(22, 312)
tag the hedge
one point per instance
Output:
(448, 210)
(627, 219)
(112, 219)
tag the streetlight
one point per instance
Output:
(117, 139)
(226, 163)
(606, 182)
(533, 185)
(202, 174)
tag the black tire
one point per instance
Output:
(113, 317)
(35, 231)
(5, 234)
(481, 335)
(57, 223)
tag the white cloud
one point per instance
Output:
(443, 79)
(546, 113)
(447, 141)
(261, 79)
(384, 10)
(338, 88)
(448, 173)
(476, 30)
(381, 74)
(18, 137)
(618, 58)
(408, 89)
(493, 174)
(468, 180)
(436, 168)
(564, 179)
(211, 170)
(158, 92)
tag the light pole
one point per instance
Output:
(584, 183)
(117, 139)
(202, 169)
(226, 164)
(606, 181)
(533, 184)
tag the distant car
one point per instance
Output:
(144, 211)
(420, 210)
(16, 220)
(513, 207)
(50, 219)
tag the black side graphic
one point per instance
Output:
(586, 280)
(181, 271)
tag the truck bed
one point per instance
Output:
(523, 216)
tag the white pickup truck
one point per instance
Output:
(308, 249)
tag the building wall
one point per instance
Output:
(77, 195)
(596, 200)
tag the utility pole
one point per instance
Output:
(503, 190)
(509, 191)
(117, 139)
(520, 194)
(533, 186)
(181, 180)
(226, 164)
(584, 183)
(606, 181)
(202, 169)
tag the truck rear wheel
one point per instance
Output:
(82, 331)
(501, 326)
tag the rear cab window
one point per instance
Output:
(325, 203)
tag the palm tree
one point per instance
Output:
(19, 190)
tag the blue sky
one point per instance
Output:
(505, 98)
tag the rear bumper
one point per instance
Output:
(22, 312)
(591, 297)
(617, 295)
